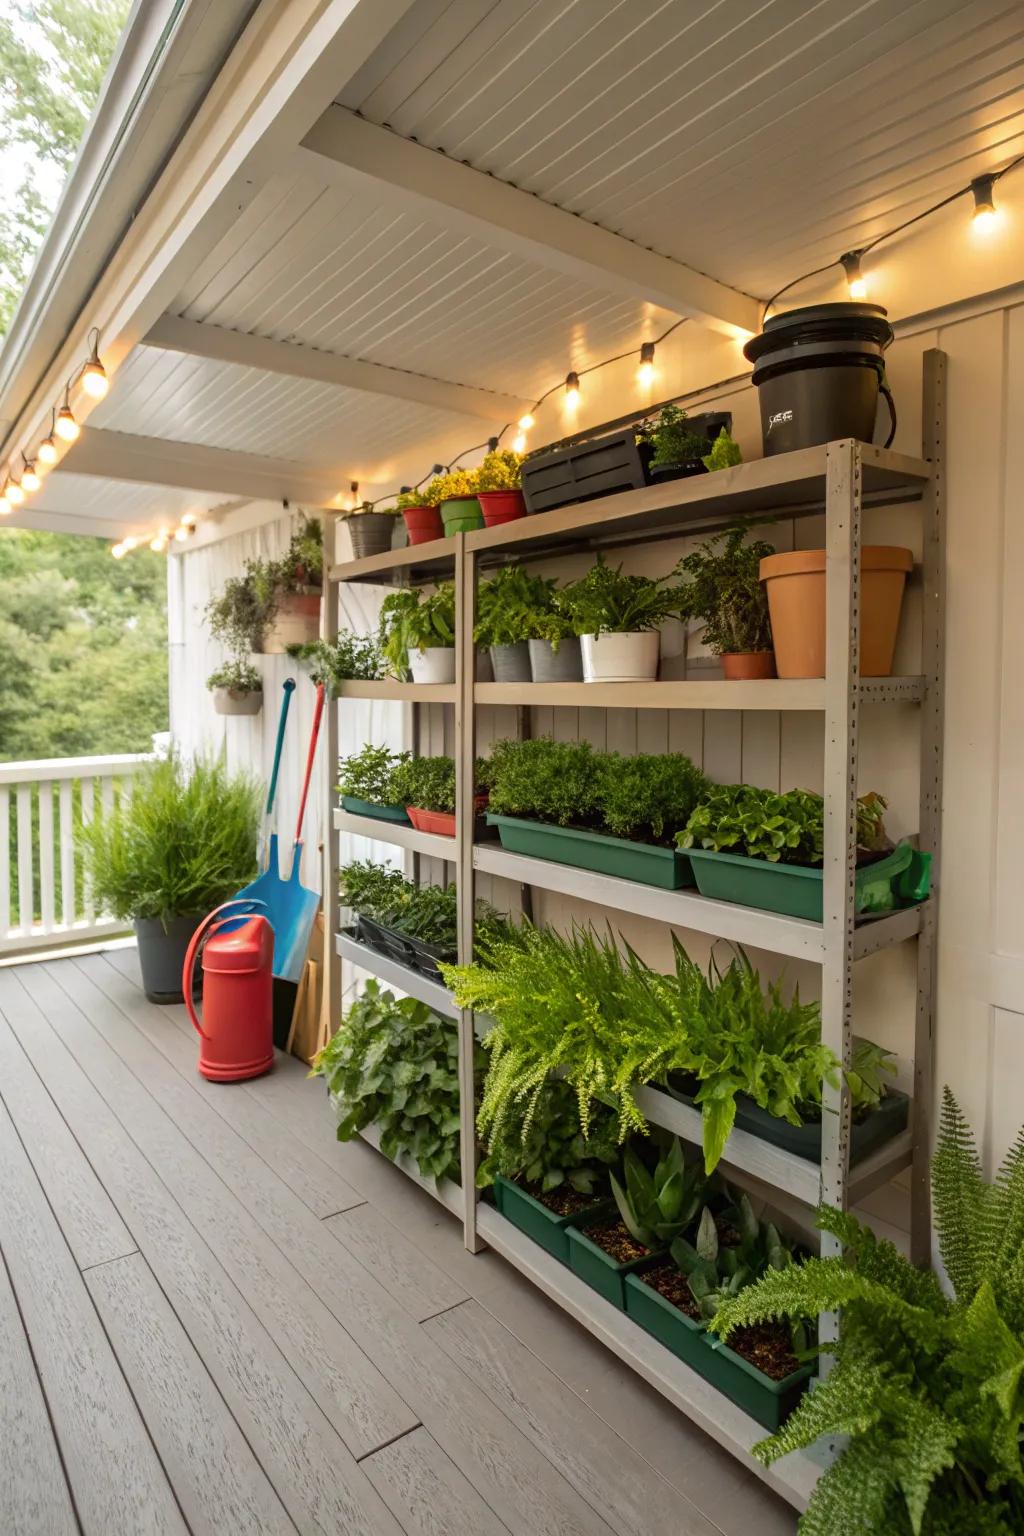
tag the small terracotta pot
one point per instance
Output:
(297, 622)
(501, 506)
(442, 822)
(795, 586)
(748, 666)
(424, 524)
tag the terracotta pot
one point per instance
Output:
(297, 622)
(501, 506)
(795, 585)
(442, 822)
(748, 666)
(424, 524)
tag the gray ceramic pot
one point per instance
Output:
(162, 956)
(370, 533)
(511, 663)
(550, 666)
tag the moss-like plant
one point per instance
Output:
(369, 774)
(723, 592)
(673, 440)
(725, 452)
(428, 783)
(499, 471)
(240, 676)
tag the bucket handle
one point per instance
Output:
(890, 402)
(210, 925)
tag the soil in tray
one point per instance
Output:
(767, 1347)
(673, 1285)
(564, 1201)
(616, 1242)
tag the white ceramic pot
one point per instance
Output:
(621, 658)
(436, 664)
(233, 701)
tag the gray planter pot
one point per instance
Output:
(162, 956)
(511, 663)
(232, 701)
(550, 666)
(370, 533)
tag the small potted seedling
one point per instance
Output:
(369, 530)
(725, 452)
(617, 618)
(237, 688)
(678, 451)
(724, 593)
(497, 487)
(417, 634)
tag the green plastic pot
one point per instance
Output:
(601, 1272)
(461, 514)
(664, 1321)
(532, 1216)
(644, 863)
(360, 807)
(900, 879)
(768, 1402)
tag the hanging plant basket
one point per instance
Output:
(296, 622)
(237, 701)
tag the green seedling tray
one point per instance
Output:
(664, 1321)
(360, 807)
(644, 863)
(599, 1271)
(900, 879)
(532, 1216)
(768, 1402)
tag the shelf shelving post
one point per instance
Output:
(465, 775)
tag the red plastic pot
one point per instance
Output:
(501, 506)
(424, 524)
(442, 822)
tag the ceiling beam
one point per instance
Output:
(358, 152)
(195, 467)
(172, 333)
(37, 518)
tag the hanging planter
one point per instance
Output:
(621, 658)
(564, 665)
(237, 688)
(296, 622)
(645, 863)
(423, 523)
(795, 585)
(371, 533)
(235, 701)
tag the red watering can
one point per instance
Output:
(237, 1032)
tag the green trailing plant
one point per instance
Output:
(181, 844)
(723, 592)
(545, 779)
(647, 798)
(927, 1390)
(347, 657)
(414, 620)
(499, 471)
(509, 606)
(248, 604)
(673, 440)
(394, 1064)
(657, 1206)
(369, 774)
(725, 452)
(607, 601)
(428, 783)
(238, 675)
(788, 828)
(553, 1151)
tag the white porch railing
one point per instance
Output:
(44, 898)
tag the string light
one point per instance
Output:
(519, 443)
(985, 216)
(131, 542)
(118, 551)
(46, 453)
(855, 280)
(645, 368)
(572, 390)
(30, 481)
(158, 543)
(189, 519)
(5, 503)
(94, 375)
(66, 426)
(14, 493)
(525, 422)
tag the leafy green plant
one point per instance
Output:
(673, 440)
(347, 656)
(545, 779)
(553, 1151)
(725, 452)
(248, 604)
(239, 675)
(369, 774)
(509, 605)
(717, 1272)
(926, 1390)
(606, 601)
(657, 1206)
(789, 828)
(724, 593)
(184, 842)
(428, 913)
(647, 798)
(428, 783)
(499, 471)
(394, 1065)
(414, 620)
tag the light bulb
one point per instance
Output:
(189, 519)
(525, 422)
(572, 390)
(29, 479)
(985, 216)
(46, 453)
(180, 535)
(94, 379)
(118, 551)
(519, 443)
(131, 542)
(15, 494)
(856, 282)
(158, 544)
(66, 426)
(645, 368)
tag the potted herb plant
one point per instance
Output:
(417, 633)
(723, 592)
(426, 787)
(416, 925)
(725, 452)
(237, 688)
(422, 520)
(497, 487)
(766, 850)
(677, 450)
(347, 657)
(274, 603)
(183, 843)
(454, 493)
(617, 618)
(366, 783)
(508, 606)
(370, 531)
(555, 654)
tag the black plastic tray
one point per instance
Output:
(873, 1130)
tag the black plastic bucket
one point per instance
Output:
(818, 373)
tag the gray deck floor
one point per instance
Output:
(214, 1318)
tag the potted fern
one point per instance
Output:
(618, 619)
(678, 451)
(369, 531)
(497, 487)
(237, 688)
(723, 592)
(417, 633)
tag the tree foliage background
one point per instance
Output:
(83, 658)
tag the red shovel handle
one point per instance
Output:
(207, 927)
(314, 734)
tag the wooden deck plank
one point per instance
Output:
(117, 1482)
(316, 1477)
(220, 1484)
(511, 1474)
(316, 1183)
(86, 1214)
(426, 1492)
(413, 1279)
(603, 1466)
(169, 1125)
(34, 1498)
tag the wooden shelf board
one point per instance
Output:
(409, 693)
(777, 694)
(396, 975)
(413, 563)
(430, 843)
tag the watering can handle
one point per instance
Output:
(314, 734)
(206, 929)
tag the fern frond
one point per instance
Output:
(959, 1195)
(850, 1401)
(858, 1494)
(878, 1259)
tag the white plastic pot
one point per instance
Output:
(435, 664)
(629, 658)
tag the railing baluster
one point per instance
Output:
(87, 788)
(5, 864)
(67, 854)
(26, 884)
(46, 882)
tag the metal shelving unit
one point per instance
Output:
(839, 480)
